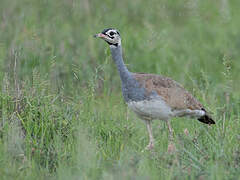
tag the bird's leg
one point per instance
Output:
(170, 131)
(171, 146)
(151, 139)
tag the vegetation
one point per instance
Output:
(62, 113)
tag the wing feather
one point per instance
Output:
(172, 92)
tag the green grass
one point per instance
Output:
(62, 113)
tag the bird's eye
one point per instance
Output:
(111, 33)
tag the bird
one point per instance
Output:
(152, 96)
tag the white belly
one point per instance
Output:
(151, 109)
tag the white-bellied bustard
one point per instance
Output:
(153, 96)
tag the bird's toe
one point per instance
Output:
(150, 146)
(171, 148)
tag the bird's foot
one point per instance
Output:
(171, 148)
(150, 146)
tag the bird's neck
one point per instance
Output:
(118, 59)
(131, 89)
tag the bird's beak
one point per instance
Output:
(99, 35)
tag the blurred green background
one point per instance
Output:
(62, 113)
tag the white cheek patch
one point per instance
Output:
(115, 40)
(110, 40)
(108, 32)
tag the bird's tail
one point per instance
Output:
(206, 119)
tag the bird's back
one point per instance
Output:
(169, 90)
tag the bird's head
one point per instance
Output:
(111, 36)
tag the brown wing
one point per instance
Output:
(171, 91)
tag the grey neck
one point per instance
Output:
(131, 89)
(117, 57)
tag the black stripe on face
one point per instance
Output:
(106, 30)
(112, 43)
(112, 37)
(109, 35)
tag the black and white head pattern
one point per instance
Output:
(112, 37)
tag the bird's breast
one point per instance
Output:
(133, 92)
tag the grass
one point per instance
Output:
(62, 113)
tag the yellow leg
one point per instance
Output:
(171, 146)
(170, 131)
(151, 139)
